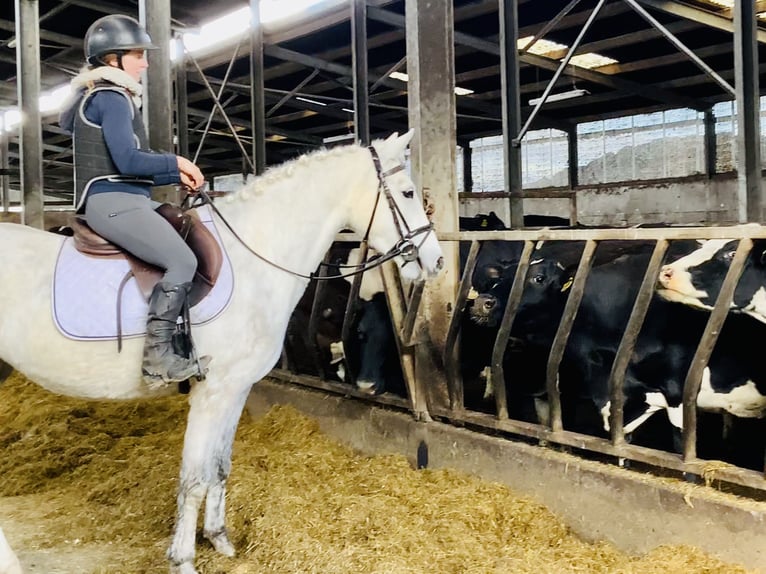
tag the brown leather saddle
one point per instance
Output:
(187, 224)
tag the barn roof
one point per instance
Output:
(308, 74)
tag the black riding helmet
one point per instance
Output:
(115, 34)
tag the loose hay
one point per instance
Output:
(105, 473)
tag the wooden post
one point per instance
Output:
(431, 98)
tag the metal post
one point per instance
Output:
(748, 111)
(30, 131)
(257, 98)
(182, 101)
(158, 101)
(711, 146)
(511, 92)
(6, 178)
(573, 167)
(359, 56)
(467, 167)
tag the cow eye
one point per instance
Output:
(538, 279)
(728, 255)
(408, 193)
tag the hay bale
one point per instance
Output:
(298, 501)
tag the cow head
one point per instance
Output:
(696, 278)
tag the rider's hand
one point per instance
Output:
(191, 175)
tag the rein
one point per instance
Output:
(404, 247)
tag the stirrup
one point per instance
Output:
(157, 382)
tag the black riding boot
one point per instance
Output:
(161, 364)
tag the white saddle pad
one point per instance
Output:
(85, 293)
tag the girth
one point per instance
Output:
(187, 224)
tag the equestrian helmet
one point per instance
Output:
(115, 34)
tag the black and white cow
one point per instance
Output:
(696, 279)
(371, 354)
(733, 382)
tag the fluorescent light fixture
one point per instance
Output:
(576, 93)
(340, 138)
(310, 101)
(405, 78)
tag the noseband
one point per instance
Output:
(405, 247)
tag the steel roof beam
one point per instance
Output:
(697, 15)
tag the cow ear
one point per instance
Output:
(763, 257)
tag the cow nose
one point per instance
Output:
(666, 274)
(490, 303)
(440, 264)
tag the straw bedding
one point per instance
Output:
(98, 477)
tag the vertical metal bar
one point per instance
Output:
(413, 304)
(182, 101)
(4, 165)
(711, 145)
(313, 326)
(30, 131)
(628, 342)
(349, 318)
(359, 57)
(511, 93)
(562, 334)
(707, 344)
(559, 70)
(158, 108)
(748, 111)
(497, 371)
(467, 167)
(573, 167)
(450, 356)
(257, 97)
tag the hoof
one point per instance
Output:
(372, 389)
(220, 542)
(184, 568)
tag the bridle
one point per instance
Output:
(405, 247)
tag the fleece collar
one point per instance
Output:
(87, 78)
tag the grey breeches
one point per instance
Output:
(129, 220)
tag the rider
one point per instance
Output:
(114, 171)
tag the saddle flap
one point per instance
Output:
(89, 242)
(188, 224)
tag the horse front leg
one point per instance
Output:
(9, 563)
(212, 423)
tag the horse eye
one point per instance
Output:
(409, 193)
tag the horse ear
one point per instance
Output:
(405, 140)
(401, 142)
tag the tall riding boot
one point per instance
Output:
(161, 364)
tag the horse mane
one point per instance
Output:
(279, 173)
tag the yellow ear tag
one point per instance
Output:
(473, 294)
(568, 284)
(484, 223)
